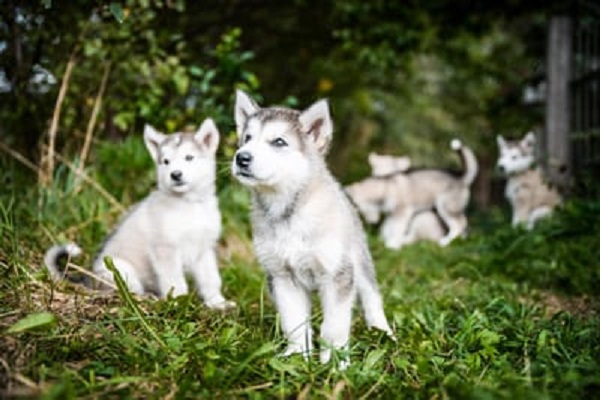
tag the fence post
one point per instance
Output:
(556, 146)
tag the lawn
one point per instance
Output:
(505, 313)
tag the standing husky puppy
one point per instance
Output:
(529, 195)
(403, 195)
(306, 233)
(174, 230)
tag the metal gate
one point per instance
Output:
(585, 91)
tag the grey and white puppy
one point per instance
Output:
(306, 233)
(528, 193)
(173, 231)
(403, 195)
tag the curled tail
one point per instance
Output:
(55, 258)
(468, 159)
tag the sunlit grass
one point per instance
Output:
(504, 313)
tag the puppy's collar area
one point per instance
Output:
(287, 212)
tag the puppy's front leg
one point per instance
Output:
(337, 299)
(293, 304)
(208, 281)
(168, 267)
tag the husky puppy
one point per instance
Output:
(383, 164)
(424, 225)
(306, 233)
(174, 230)
(530, 197)
(402, 195)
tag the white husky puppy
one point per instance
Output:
(402, 196)
(306, 233)
(174, 230)
(530, 197)
(384, 164)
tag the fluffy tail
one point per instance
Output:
(468, 159)
(57, 255)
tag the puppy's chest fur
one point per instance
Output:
(287, 244)
(189, 227)
(529, 189)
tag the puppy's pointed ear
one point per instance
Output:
(153, 140)
(529, 139)
(402, 163)
(244, 107)
(501, 141)
(373, 158)
(208, 135)
(316, 123)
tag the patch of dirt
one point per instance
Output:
(581, 306)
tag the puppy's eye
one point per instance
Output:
(247, 138)
(166, 161)
(189, 157)
(279, 142)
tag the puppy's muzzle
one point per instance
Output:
(243, 159)
(176, 176)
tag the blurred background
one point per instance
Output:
(79, 76)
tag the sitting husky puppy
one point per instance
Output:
(306, 233)
(383, 164)
(403, 195)
(174, 230)
(529, 195)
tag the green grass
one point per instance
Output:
(503, 314)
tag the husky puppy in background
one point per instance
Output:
(173, 231)
(402, 196)
(384, 164)
(530, 197)
(425, 225)
(306, 234)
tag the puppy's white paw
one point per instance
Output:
(325, 357)
(296, 349)
(221, 305)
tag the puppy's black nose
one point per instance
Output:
(176, 175)
(243, 159)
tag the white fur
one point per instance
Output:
(531, 198)
(407, 200)
(382, 164)
(306, 234)
(173, 232)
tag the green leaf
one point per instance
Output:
(47, 3)
(117, 11)
(33, 321)
(373, 358)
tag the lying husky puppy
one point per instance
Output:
(424, 225)
(403, 195)
(529, 195)
(174, 230)
(306, 233)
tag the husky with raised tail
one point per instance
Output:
(529, 195)
(306, 233)
(408, 197)
(173, 231)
